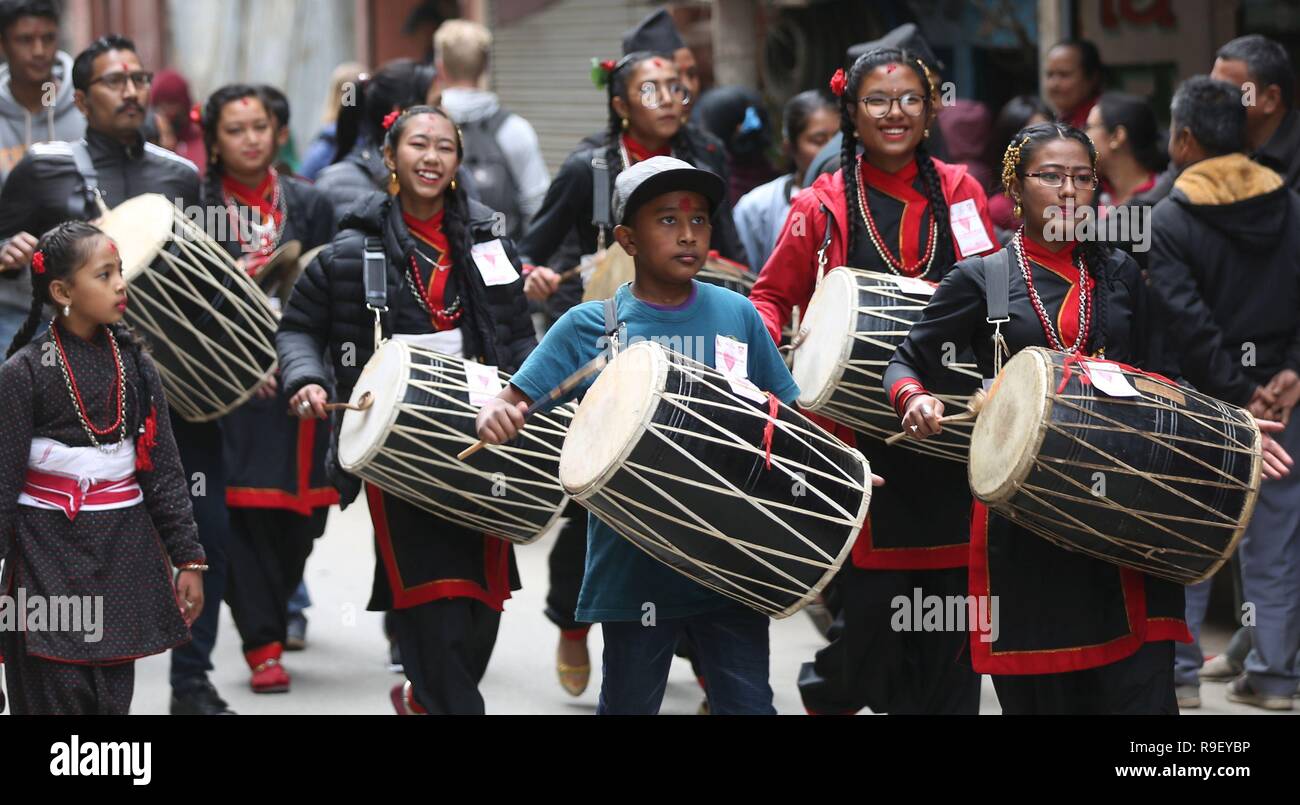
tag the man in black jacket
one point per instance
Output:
(1225, 272)
(47, 188)
(1262, 68)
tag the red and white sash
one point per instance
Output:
(74, 479)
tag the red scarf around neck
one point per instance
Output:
(636, 152)
(258, 198)
(1062, 264)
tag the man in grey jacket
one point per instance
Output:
(36, 102)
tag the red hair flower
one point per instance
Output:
(391, 118)
(838, 82)
(38, 263)
(196, 114)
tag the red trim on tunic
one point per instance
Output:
(1071, 658)
(898, 186)
(496, 567)
(1062, 264)
(939, 557)
(306, 499)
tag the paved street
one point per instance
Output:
(344, 668)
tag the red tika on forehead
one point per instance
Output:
(126, 68)
(890, 68)
(243, 101)
(685, 204)
(658, 62)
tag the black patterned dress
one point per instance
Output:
(122, 557)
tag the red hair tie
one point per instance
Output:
(38, 262)
(391, 118)
(838, 82)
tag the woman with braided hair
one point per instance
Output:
(895, 209)
(1074, 634)
(276, 487)
(445, 583)
(93, 498)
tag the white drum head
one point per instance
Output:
(820, 360)
(1010, 428)
(612, 417)
(363, 433)
(140, 227)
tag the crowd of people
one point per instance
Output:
(418, 167)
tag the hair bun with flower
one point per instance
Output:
(391, 118)
(38, 262)
(838, 82)
(600, 72)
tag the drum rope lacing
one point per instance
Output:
(894, 264)
(1085, 300)
(74, 392)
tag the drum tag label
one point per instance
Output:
(483, 381)
(968, 228)
(915, 286)
(731, 358)
(493, 263)
(1110, 380)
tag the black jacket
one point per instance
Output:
(45, 189)
(562, 230)
(1282, 151)
(328, 311)
(1225, 275)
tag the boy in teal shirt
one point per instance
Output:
(663, 207)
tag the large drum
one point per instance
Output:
(209, 327)
(855, 321)
(1113, 462)
(672, 456)
(421, 411)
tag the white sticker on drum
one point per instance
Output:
(493, 263)
(968, 229)
(483, 381)
(1111, 381)
(916, 286)
(731, 358)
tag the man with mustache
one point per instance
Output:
(50, 186)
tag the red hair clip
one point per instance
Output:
(391, 118)
(196, 114)
(838, 82)
(38, 262)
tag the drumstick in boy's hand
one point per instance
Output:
(567, 385)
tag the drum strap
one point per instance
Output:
(615, 330)
(601, 217)
(87, 202)
(826, 242)
(374, 273)
(997, 295)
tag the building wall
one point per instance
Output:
(541, 66)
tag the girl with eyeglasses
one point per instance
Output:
(1074, 634)
(894, 209)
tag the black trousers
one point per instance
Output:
(1140, 684)
(446, 645)
(268, 550)
(871, 664)
(568, 561)
(41, 687)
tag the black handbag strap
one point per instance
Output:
(997, 285)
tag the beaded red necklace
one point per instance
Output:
(83, 415)
(894, 264)
(1053, 339)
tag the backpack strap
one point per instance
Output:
(374, 272)
(997, 297)
(86, 203)
(615, 330)
(601, 217)
(826, 242)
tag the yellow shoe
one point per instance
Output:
(573, 678)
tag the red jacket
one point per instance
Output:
(790, 275)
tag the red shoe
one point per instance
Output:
(404, 702)
(269, 675)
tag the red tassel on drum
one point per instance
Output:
(773, 410)
(145, 444)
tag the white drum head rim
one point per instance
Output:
(363, 434)
(820, 361)
(141, 227)
(1011, 427)
(582, 474)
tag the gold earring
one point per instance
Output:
(927, 134)
(393, 186)
(453, 183)
(1016, 210)
(624, 124)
